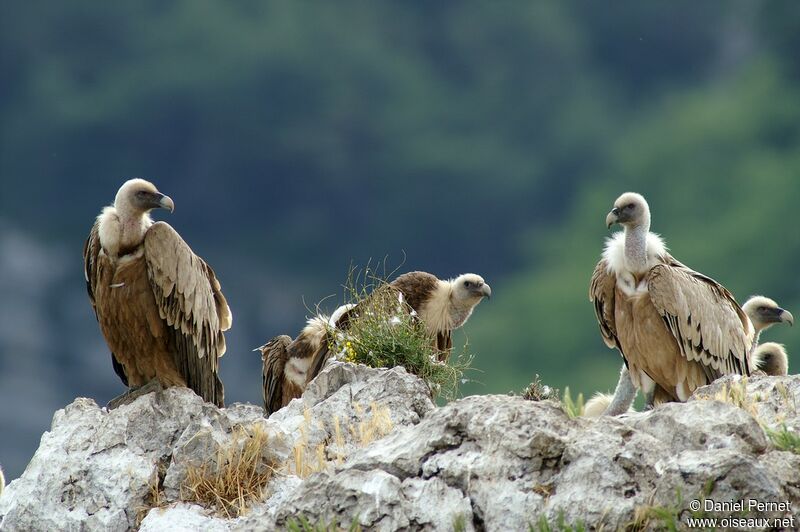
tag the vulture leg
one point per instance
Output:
(649, 399)
(624, 394)
(135, 393)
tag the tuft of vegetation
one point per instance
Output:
(305, 460)
(303, 524)
(784, 439)
(561, 525)
(386, 333)
(573, 408)
(236, 478)
(538, 391)
(155, 498)
(371, 424)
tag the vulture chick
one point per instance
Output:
(763, 313)
(442, 306)
(771, 358)
(159, 306)
(674, 327)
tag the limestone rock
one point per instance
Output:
(392, 460)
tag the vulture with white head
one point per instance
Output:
(762, 312)
(771, 358)
(159, 306)
(674, 327)
(441, 305)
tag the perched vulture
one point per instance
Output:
(770, 358)
(763, 313)
(442, 306)
(675, 327)
(159, 306)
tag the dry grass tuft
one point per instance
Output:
(155, 498)
(369, 426)
(237, 477)
(306, 461)
(735, 393)
(539, 391)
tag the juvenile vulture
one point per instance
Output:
(675, 327)
(763, 313)
(159, 306)
(442, 306)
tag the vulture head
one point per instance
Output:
(137, 196)
(630, 210)
(771, 358)
(470, 289)
(765, 313)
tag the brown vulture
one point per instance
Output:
(770, 358)
(442, 305)
(159, 306)
(674, 327)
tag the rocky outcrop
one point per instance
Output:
(388, 459)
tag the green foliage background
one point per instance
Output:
(298, 137)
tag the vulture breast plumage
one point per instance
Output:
(160, 307)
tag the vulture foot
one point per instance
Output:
(135, 393)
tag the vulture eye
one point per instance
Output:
(467, 284)
(762, 309)
(630, 206)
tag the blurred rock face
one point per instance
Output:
(392, 460)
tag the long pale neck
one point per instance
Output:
(636, 247)
(133, 225)
(756, 338)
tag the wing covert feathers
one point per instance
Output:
(702, 315)
(601, 293)
(189, 299)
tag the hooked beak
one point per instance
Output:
(486, 290)
(165, 202)
(786, 317)
(612, 217)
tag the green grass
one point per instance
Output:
(543, 525)
(784, 439)
(386, 334)
(302, 524)
(573, 408)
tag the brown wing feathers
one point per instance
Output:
(189, 299)
(704, 318)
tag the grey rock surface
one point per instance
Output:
(392, 460)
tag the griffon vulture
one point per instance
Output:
(442, 306)
(763, 313)
(159, 306)
(675, 327)
(770, 358)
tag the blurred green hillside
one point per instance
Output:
(300, 137)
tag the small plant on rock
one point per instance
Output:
(385, 332)
(235, 478)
